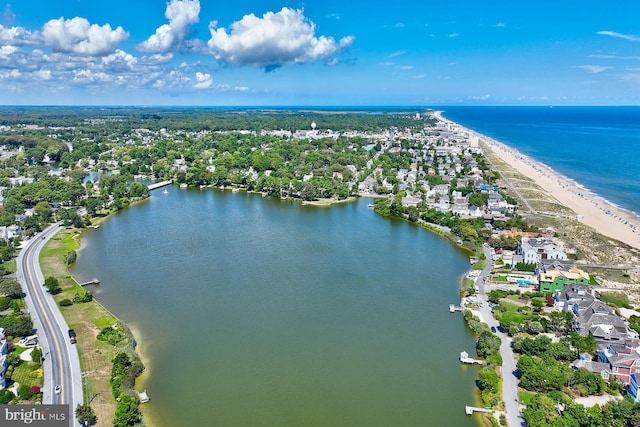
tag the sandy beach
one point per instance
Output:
(590, 208)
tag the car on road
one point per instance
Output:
(493, 329)
(57, 389)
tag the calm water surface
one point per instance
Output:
(259, 312)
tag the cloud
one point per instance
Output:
(406, 67)
(77, 36)
(619, 35)
(182, 14)
(119, 61)
(6, 51)
(7, 15)
(452, 35)
(285, 37)
(605, 56)
(203, 80)
(17, 36)
(593, 69)
(397, 53)
(42, 75)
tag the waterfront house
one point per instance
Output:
(411, 201)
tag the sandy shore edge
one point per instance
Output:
(590, 208)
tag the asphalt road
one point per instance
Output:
(61, 363)
(509, 380)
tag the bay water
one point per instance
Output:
(253, 311)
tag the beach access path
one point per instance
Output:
(590, 209)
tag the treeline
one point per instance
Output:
(213, 119)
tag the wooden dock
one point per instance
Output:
(471, 409)
(454, 308)
(464, 358)
(159, 184)
(93, 281)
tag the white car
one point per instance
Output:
(57, 390)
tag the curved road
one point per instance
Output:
(61, 363)
(509, 381)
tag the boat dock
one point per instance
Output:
(471, 409)
(93, 281)
(144, 397)
(159, 184)
(453, 308)
(464, 358)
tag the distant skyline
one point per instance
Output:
(323, 53)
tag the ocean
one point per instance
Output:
(598, 147)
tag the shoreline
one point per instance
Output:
(590, 208)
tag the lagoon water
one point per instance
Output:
(259, 312)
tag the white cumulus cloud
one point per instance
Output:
(17, 36)
(203, 80)
(78, 36)
(284, 37)
(6, 51)
(181, 15)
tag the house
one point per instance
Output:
(411, 201)
(598, 319)
(571, 294)
(555, 280)
(4, 349)
(633, 387)
(623, 360)
(599, 368)
(534, 250)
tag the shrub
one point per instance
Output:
(5, 396)
(65, 302)
(71, 257)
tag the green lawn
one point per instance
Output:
(28, 373)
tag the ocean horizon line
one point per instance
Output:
(321, 106)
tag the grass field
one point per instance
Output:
(87, 319)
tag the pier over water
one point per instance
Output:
(159, 184)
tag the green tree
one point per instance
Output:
(126, 411)
(85, 414)
(52, 284)
(36, 355)
(10, 288)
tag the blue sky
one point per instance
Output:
(342, 53)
